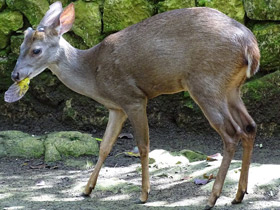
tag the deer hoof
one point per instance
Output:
(85, 195)
(235, 202)
(207, 207)
(140, 202)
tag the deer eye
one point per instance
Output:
(36, 51)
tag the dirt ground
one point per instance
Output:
(32, 184)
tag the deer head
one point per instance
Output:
(40, 47)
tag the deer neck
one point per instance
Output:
(75, 68)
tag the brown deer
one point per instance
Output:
(199, 50)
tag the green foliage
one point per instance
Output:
(174, 4)
(119, 14)
(34, 10)
(87, 24)
(232, 8)
(262, 9)
(9, 21)
(268, 36)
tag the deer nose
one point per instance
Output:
(15, 76)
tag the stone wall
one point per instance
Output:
(49, 101)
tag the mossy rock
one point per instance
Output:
(51, 154)
(174, 4)
(75, 41)
(19, 144)
(64, 2)
(268, 36)
(87, 24)
(232, 8)
(7, 62)
(261, 89)
(34, 10)
(70, 143)
(119, 14)
(9, 21)
(262, 9)
(16, 41)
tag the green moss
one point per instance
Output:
(88, 22)
(4, 40)
(16, 42)
(75, 41)
(268, 36)
(64, 2)
(174, 4)
(262, 9)
(51, 154)
(260, 89)
(34, 10)
(232, 8)
(73, 143)
(119, 14)
(19, 144)
(9, 21)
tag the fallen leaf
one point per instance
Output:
(40, 183)
(38, 166)
(131, 154)
(201, 181)
(125, 136)
(24, 164)
(186, 178)
(209, 177)
(214, 157)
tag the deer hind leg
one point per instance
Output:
(114, 126)
(138, 117)
(239, 113)
(216, 108)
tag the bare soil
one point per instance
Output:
(32, 184)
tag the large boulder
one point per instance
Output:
(19, 144)
(88, 22)
(34, 10)
(119, 14)
(268, 36)
(69, 143)
(174, 4)
(9, 21)
(54, 146)
(262, 9)
(232, 8)
(16, 41)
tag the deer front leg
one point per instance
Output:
(138, 118)
(114, 126)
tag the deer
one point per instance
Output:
(199, 50)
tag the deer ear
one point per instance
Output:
(66, 19)
(51, 18)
